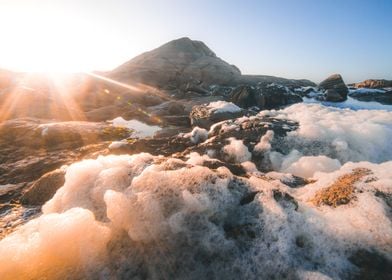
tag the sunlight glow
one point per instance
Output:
(53, 39)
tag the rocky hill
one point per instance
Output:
(183, 61)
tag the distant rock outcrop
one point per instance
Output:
(374, 83)
(335, 88)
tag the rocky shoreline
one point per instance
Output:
(251, 170)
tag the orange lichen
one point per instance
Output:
(342, 190)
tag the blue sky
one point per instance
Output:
(288, 38)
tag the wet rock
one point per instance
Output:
(44, 188)
(333, 96)
(35, 133)
(285, 200)
(371, 264)
(248, 198)
(34, 163)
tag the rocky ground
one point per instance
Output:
(221, 182)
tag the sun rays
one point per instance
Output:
(55, 96)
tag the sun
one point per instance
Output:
(37, 39)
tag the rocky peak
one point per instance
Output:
(185, 45)
(177, 62)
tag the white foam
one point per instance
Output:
(223, 107)
(308, 165)
(237, 151)
(265, 142)
(117, 144)
(197, 135)
(342, 134)
(122, 216)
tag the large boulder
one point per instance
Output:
(335, 89)
(207, 114)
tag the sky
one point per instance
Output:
(287, 38)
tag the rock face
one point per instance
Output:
(335, 88)
(178, 62)
(374, 83)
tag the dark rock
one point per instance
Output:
(277, 95)
(333, 96)
(338, 89)
(221, 91)
(383, 97)
(285, 200)
(246, 96)
(254, 80)
(293, 181)
(248, 198)
(44, 188)
(264, 96)
(371, 264)
(196, 88)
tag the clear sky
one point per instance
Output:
(288, 38)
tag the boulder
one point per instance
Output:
(336, 84)
(247, 96)
(333, 95)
